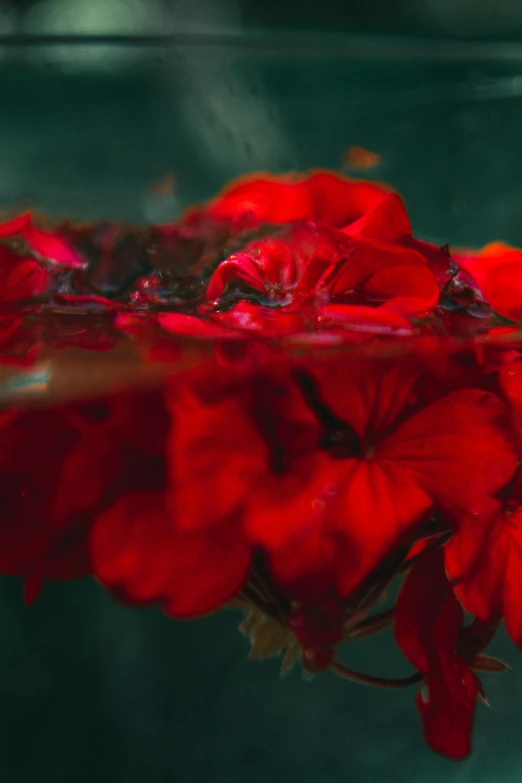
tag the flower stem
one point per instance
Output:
(378, 682)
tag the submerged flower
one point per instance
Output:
(330, 473)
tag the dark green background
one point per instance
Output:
(93, 691)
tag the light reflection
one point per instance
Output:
(95, 17)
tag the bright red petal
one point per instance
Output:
(388, 221)
(53, 247)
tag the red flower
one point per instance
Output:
(428, 628)
(331, 487)
(321, 196)
(312, 267)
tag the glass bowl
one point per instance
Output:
(133, 131)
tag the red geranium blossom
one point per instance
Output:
(312, 267)
(330, 485)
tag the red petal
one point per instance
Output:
(338, 201)
(497, 269)
(428, 622)
(268, 321)
(15, 226)
(405, 282)
(53, 247)
(388, 221)
(22, 279)
(137, 553)
(342, 515)
(216, 457)
(484, 558)
(235, 269)
(368, 396)
(428, 618)
(363, 319)
(449, 709)
(263, 199)
(367, 259)
(459, 448)
(194, 326)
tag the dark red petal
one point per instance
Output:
(137, 553)
(428, 618)
(448, 710)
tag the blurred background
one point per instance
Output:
(135, 129)
(456, 18)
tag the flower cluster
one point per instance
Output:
(351, 416)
